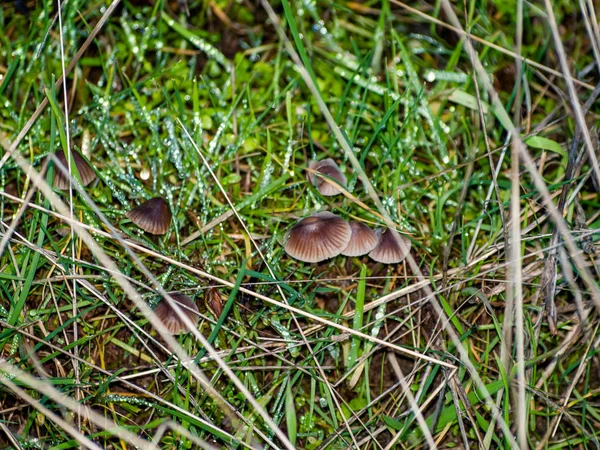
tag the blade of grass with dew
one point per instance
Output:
(9, 74)
(31, 262)
(357, 322)
(347, 88)
(460, 97)
(290, 413)
(440, 158)
(211, 429)
(545, 144)
(379, 127)
(287, 10)
(375, 328)
(294, 295)
(59, 115)
(287, 335)
(197, 41)
(7, 276)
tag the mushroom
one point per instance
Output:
(391, 249)
(329, 168)
(169, 317)
(214, 301)
(362, 241)
(86, 173)
(318, 237)
(153, 216)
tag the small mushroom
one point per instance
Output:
(153, 216)
(318, 237)
(167, 315)
(214, 301)
(329, 168)
(86, 173)
(391, 249)
(362, 241)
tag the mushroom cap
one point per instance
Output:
(329, 168)
(86, 173)
(318, 237)
(214, 301)
(392, 247)
(169, 317)
(153, 216)
(362, 241)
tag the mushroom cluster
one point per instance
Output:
(313, 239)
(324, 235)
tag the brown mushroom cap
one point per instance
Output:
(153, 216)
(169, 317)
(318, 237)
(392, 247)
(329, 168)
(214, 301)
(86, 173)
(362, 241)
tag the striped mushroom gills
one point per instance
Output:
(86, 173)
(170, 319)
(391, 249)
(153, 216)
(329, 168)
(362, 241)
(318, 237)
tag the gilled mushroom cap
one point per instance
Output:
(362, 241)
(329, 168)
(214, 301)
(392, 247)
(86, 173)
(318, 237)
(169, 317)
(153, 216)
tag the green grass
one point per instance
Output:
(161, 101)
